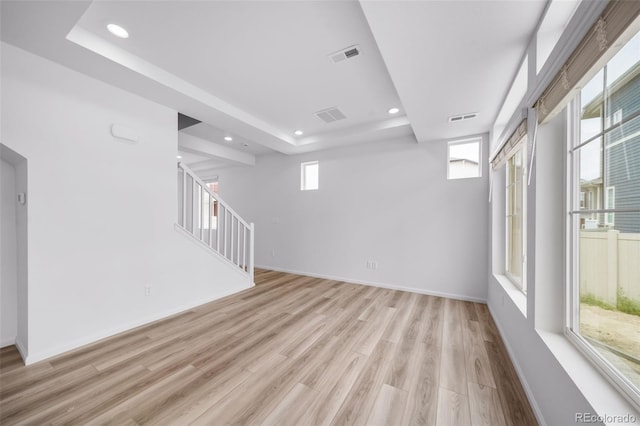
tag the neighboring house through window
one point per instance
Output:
(464, 159)
(604, 302)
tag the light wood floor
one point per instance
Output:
(293, 350)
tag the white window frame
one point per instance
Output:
(609, 204)
(519, 282)
(477, 140)
(572, 308)
(303, 175)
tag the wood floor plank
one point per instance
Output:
(292, 407)
(19, 406)
(143, 404)
(453, 409)
(373, 331)
(487, 326)
(292, 350)
(333, 389)
(95, 392)
(485, 405)
(405, 302)
(517, 411)
(388, 407)
(203, 394)
(477, 363)
(359, 402)
(452, 368)
(405, 360)
(423, 387)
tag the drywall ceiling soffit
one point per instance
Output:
(217, 136)
(204, 148)
(452, 57)
(260, 73)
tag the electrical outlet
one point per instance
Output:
(372, 264)
(147, 290)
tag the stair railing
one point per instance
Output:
(205, 216)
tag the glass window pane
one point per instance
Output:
(622, 164)
(590, 174)
(623, 83)
(591, 107)
(312, 176)
(514, 220)
(464, 159)
(515, 247)
(609, 313)
(309, 176)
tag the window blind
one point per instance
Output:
(510, 145)
(617, 16)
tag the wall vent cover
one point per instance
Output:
(463, 117)
(346, 53)
(330, 115)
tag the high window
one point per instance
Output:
(604, 176)
(464, 159)
(309, 176)
(515, 218)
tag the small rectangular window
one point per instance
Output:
(309, 176)
(464, 159)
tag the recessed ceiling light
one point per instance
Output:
(118, 31)
(178, 156)
(298, 132)
(228, 138)
(393, 110)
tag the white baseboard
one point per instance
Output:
(376, 284)
(7, 342)
(42, 355)
(22, 349)
(521, 376)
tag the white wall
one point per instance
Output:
(8, 257)
(101, 210)
(388, 202)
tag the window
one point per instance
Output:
(309, 176)
(610, 204)
(604, 310)
(464, 159)
(515, 218)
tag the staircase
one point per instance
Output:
(205, 216)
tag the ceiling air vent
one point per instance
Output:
(463, 117)
(330, 115)
(346, 53)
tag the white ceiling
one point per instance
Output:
(258, 70)
(449, 58)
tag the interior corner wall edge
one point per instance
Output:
(9, 267)
(101, 211)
